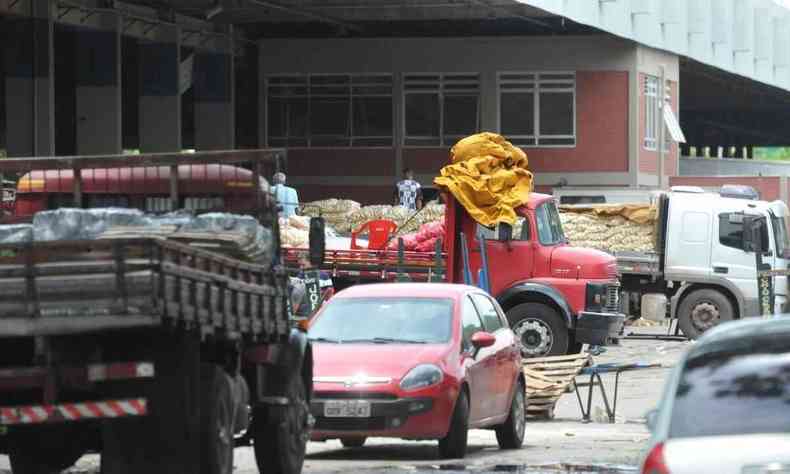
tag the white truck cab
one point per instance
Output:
(704, 271)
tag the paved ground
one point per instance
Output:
(564, 445)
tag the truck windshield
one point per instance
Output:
(781, 236)
(549, 224)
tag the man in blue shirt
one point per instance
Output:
(286, 196)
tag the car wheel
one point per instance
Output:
(353, 442)
(540, 329)
(510, 434)
(453, 446)
(701, 310)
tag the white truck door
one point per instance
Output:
(728, 258)
(688, 242)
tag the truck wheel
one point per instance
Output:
(510, 434)
(353, 442)
(47, 451)
(280, 433)
(540, 329)
(703, 309)
(453, 446)
(216, 420)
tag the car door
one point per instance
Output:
(508, 262)
(480, 365)
(728, 259)
(504, 349)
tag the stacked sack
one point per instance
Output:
(610, 233)
(336, 212)
(295, 231)
(424, 240)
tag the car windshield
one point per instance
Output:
(384, 320)
(741, 390)
(781, 236)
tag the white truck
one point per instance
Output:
(702, 270)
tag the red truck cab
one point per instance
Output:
(557, 297)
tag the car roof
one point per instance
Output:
(744, 329)
(420, 290)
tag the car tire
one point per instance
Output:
(453, 446)
(217, 415)
(353, 442)
(703, 309)
(510, 434)
(540, 329)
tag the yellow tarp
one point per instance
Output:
(489, 177)
(639, 213)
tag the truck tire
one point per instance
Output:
(217, 416)
(540, 328)
(510, 434)
(703, 309)
(453, 445)
(280, 433)
(47, 450)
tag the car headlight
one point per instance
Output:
(422, 376)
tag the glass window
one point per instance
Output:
(440, 108)
(488, 313)
(731, 231)
(780, 235)
(521, 229)
(470, 322)
(739, 387)
(329, 110)
(549, 224)
(382, 320)
(538, 109)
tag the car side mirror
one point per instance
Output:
(651, 418)
(317, 241)
(483, 339)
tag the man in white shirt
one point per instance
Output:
(408, 192)
(286, 196)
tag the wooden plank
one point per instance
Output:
(26, 327)
(556, 366)
(571, 357)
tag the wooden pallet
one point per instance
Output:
(548, 378)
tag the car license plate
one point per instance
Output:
(347, 409)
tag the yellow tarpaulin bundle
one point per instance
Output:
(639, 213)
(489, 177)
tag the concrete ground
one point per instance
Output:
(562, 445)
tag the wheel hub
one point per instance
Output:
(535, 337)
(705, 315)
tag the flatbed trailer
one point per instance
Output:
(156, 353)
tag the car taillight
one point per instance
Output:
(654, 463)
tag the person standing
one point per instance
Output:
(286, 196)
(408, 192)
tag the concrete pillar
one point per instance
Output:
(98, 72)
(29, 87)
(160, 97)
(214, 97)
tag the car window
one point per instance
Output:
(470, 322)
(360, 320)
(488, 313)
(547, 219)
(732, 392)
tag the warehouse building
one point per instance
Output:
(359, 90)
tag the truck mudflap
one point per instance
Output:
(598, 328)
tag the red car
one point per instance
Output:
(416, 361)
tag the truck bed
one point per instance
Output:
(377, 265)
(49, 288)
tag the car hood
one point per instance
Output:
(375, 360)
(726, 454)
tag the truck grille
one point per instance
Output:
(612, 304)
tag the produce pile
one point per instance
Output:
(295, 231)
(610, 233)
(424, 240)
(345, 215)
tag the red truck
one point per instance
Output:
(557, 297)
(160, 354)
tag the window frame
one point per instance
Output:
(502, 324)
(511, 81)
(352, 140)
(466, 345)
(653, 113)
(441, 91)
(556, 239)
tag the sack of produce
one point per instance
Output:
(16, 233)
(79, 224)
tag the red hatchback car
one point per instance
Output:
(416, 361)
